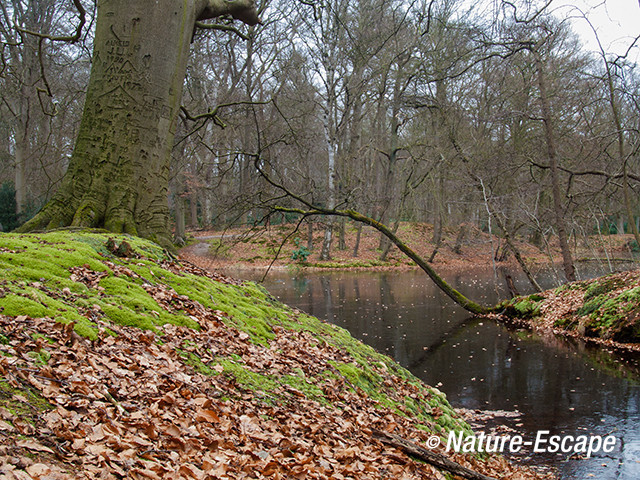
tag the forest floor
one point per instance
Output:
(118, 362)
(463, 247)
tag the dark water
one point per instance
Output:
(557, 385)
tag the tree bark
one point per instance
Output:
(118, 173)
(567, 260)
(325, 254)
(356, 246)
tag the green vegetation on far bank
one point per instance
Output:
(607, 308)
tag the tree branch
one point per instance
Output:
(213, 114)
(82, 14)
(224, 28)
(243, 10)
(600, 173)
(438, 460)
(456, 296)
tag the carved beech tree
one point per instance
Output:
(118, 174)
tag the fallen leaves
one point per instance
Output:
(128, 407)
(179, 403)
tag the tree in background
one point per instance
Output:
(41, 85)
(8, 208)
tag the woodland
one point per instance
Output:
(448, 112)
(125, 123)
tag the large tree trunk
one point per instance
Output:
(118, 174)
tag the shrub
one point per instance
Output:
(301, 253)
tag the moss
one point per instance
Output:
(304, 386)
(362, 378)
(602, 286)
(16, 305)
(47, 260)
(567, 287)
(23, 401)
(36, 336)
(524, 307)
(85, 329)
(198, 365)
(126, 293)
(123, 315)
(248, 379)
(351, 264)
(592, 305)
(605, 313)
(122, 299)
(41, 356)
(613, 318)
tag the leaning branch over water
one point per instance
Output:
(456, 296)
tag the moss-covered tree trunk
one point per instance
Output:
(118, 174)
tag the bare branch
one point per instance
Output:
(243, 10)
(82, 15)
(224, 28)
(213, 114)
(456, 296)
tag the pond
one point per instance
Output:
(555, 384)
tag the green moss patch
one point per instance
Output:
(607, 307)
(524, 307)
(23, 401)
(260, 346)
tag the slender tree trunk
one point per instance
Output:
(462, 232)
(387, 245)
(331, 203)
(194, 193)
(309, 235)
(180, 233)
(567, 260)
(356, 246)
(342, 234)
(515, 250)
(621, 150)
(620, 227)
(387, 196)
(21, 155)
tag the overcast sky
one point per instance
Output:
(617, 22)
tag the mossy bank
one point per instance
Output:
(134, 362)
(605, 309)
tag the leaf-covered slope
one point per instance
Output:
(140, 367)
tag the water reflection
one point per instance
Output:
(558, 385)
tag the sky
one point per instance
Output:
(616, 21)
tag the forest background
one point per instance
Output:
(493, 115)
